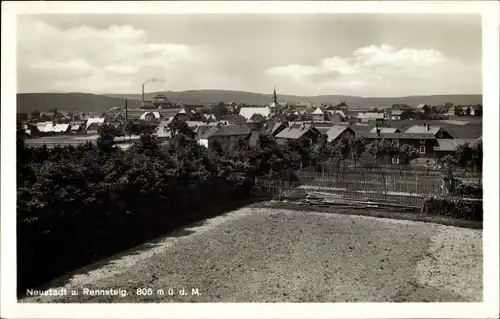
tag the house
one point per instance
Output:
(224, 134)
(454, 111)
(466, 110)
(336, 118)
(75, 128)
(300, 108)
(423, 137)
(304, 132)
(476, 110)
(342, 107)
(93, 124)
(423, 108)
(183, 115)
(201, 129)
(338, 131)
(150, 116)
(318, 115)
(448, 146)
(365, 117)
(248, 112)
(93, 128)
(398, 114)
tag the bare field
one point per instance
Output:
(272, 255)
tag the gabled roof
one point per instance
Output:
(385, 130)
(422, 129)
(99, 120)
(227, 130)
(421, 106)
(45, 126)
(248, 112)
(293, 133)
(93, 126)
(335, 131)
(318, 111)
(397, 112)
(277, 126)
(452, 144)
(60, 128)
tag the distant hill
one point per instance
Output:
(27, 102)
(98, 103)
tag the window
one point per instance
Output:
(395, 160)
(422, 141)
(422, 149)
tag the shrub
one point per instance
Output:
(455, 208)
(468, 190)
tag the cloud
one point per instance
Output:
(98, 60)
(384, 70)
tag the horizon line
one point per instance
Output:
(240, 91)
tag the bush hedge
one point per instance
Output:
(76, 205)
(455, 208)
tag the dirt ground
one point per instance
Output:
(274, 255)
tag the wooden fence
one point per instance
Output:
(402, 186)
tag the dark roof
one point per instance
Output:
(235, 119)
(227, 130)
(409, 136)
(258, 118)
(295, 133)
(335, 131)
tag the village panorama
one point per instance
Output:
(331, 172)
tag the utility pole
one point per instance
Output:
(126, 112)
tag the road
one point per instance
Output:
(258, 255)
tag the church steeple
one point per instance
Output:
(275, 98)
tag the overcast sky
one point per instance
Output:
(348, 54)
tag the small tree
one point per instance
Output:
(376, 149)
(357, 148)
(408, 153)
(464, 156)
(177, 126)
(477, 156)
